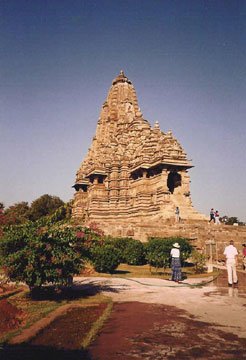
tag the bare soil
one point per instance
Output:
(134, 331)
(68, 331)
(153, 329)
(10, 317)
(148, 331)
(62, 339)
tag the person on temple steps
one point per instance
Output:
(177, 214)
(176, 263)
(231, 254)
(212, 218)
(217, 217)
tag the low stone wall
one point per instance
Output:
(205, 237)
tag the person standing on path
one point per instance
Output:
(244, 256)
(231, 254)
(176, 263)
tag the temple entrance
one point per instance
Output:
(173, 180)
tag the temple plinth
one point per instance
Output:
(132, 171)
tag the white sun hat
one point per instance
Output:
(176, 245)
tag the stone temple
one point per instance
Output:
(132, 172)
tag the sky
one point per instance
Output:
(186, 60)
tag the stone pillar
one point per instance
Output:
(144, 173)
(186, 186)
(114, 185)
(185, 181)
(123, 184)
(80, 204)
(164, 176)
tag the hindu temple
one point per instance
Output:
(132, 171)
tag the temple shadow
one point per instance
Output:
(31, 352)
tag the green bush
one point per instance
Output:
(38, 255)
(199, 261)
(105, 258)
(134, 253)
(158, 251)
(131, 250)
(120, 244)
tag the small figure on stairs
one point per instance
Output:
(212, 218)
(177, 214)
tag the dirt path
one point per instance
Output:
(152, 319)
(214, 303)
(138, 331)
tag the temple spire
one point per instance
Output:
(121, 78)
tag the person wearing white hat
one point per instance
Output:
(176, 263)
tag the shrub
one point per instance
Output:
(39, 255)
(120, 244)
(158, 250)
(105, 258)
(44, 205)
(134, 253)
(131, 251)
(199, 261)
(157, 253)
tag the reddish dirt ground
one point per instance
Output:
(75, 322)
(60, 340)
(135, 331)
(147, 331)
(10, 317)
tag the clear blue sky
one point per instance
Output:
(185, 58)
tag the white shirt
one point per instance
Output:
(230, 252)
(175, 252)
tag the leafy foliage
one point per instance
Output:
(38, 255)
(135, 253)
(105, 258)
(18, 213)
(199, 261)
(44, 205)
(158, 251)
(131, 250)
(231, 220)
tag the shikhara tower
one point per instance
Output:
(132, 172)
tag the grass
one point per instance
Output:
(38, 309)
(97, 326)
(144, 271)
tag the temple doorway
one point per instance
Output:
(173, 181)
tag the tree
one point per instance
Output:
(158, 250)
(44, 205)
(18, 213)
(231, 220)
(5, 219)
(39, 255)
(2, 218)
(131, 250)
(105, 258)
